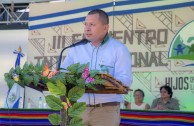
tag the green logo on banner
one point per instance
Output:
(182, 46)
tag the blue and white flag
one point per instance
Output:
(14, 97)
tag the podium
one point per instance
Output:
(110, 86)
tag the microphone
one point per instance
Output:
(82, 42)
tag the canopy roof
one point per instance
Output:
(23, 1)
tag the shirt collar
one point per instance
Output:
(103, 41)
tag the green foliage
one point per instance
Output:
(76, 109)
(27, 75)
(91, 86)
(82, 67)
(68, 86)
(76, 121)
(39, 67)
(70, 79)
(18, 70)
(54, 118)
(59, 89)
(98, 80)
(54, 102)
(73, 68)
(81, 82)
(36, 79)
(75, 93)
(10, 82)
(8, 78)
(27, 79)
(60, 77)
(93, 73)
(71, 86)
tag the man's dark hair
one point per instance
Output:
(168, 89)
(102, 15)
(139, 91)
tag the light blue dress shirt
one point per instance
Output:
(111, 56)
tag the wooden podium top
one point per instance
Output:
(107, 91)
(110, 86)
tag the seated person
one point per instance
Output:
(138, 104)
(165, 102)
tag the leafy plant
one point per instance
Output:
(70, 89)
(27, 75)
(30, 75)
(66, 88)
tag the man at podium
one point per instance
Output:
(106, 54)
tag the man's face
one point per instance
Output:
(94, 29)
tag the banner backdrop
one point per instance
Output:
(159, 35)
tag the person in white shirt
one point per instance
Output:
(101, 50)
(138, 104)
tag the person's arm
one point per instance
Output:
(123, 70)
(175, 105)
(154, 104)
(125, 103)
(128, 105)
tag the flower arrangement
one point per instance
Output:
(70, 89)
(65, 88)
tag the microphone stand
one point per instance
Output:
(82, 42)
(60, 56)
